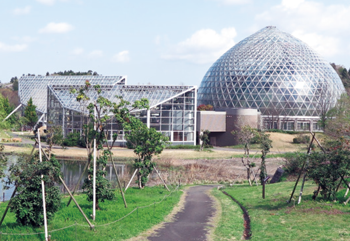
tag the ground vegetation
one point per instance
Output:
(138, 221)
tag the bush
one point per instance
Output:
(282, 131)
(182, 147)
(255, 140)
(27, 204)
(294, 162)
(301, 139)
(72, 139)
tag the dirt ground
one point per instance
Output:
(128, 153)
(209, 171)
(282, 142)
(191, 166)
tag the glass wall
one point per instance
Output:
(175, 118)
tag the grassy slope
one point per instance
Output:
(274, 219)
(230, 226)
(110, 211)
(3, 134)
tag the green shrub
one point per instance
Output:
(72, 139)
(294, 162)
(255, 140)
(182, 147)
(282, 131)
(301, 139)
(27, 204)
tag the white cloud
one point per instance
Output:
(22, 11)
(56, 28)
(234, 2)
(324, 26)
(292, 3)
(12, 48)
(309, 16)
(46, 2)
(121, 57)
(204, 46)
(78, 51)
(95, 54)
(324, 45)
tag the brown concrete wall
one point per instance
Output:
(235, 119)
(233, 122)
(214, 121)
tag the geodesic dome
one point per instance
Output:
(271, 70)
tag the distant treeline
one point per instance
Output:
(71, 72)
(344, 75)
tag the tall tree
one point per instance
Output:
(146, 143)
(100, 111)
(338, 118)
(8, 109)
(3, 113)
(30, 113)
(3, 161)
(14, 81)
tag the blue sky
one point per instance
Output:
(161, 42)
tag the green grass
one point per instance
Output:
(132, 225)
(4, 134)
(230, 226)
(241, 146)
(183, 147)
(258, 155)
(273, 219)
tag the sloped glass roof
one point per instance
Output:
(154, 93)
(271, 70)
(36, 86)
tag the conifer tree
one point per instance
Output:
(30, 113)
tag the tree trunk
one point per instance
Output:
(97, 207)
(248, 176)
(139, 181)
(316, 193)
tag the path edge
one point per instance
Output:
(247, 234)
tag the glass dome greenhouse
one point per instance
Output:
(271, 70)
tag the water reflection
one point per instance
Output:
(71, 171)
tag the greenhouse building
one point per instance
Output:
(172, 108)
(281, 77)
(269, 80)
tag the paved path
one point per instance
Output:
(220, 148)
(190, 223)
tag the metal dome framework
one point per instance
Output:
(271, 71)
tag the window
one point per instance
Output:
(288, 126)
(303, 126)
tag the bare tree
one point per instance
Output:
(273, 116)
(245, 135)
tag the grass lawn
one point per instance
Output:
(4, 134)
(132, 225)
(230, 226)
(273, 219)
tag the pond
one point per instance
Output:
(71, 171)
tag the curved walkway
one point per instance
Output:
(190, 223)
